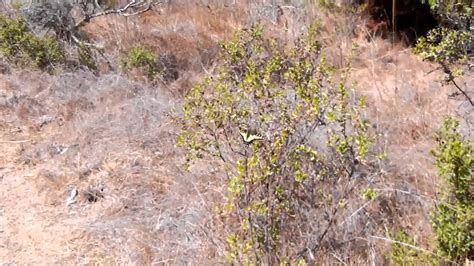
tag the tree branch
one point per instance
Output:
(79, 42)
(143, 7)
(451, 79)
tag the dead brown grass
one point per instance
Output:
(189, 32)
(407, 104)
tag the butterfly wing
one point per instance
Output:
(245, 136)
(252, 138)
(249, 138)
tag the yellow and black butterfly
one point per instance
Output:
(248, 137)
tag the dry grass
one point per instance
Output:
(407, 104)
(113, 140)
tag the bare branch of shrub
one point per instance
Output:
(56, 16)
(133, 8)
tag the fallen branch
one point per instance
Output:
(79, 42)
(15, 141)
(143, 7)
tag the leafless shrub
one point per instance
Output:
(51, 15)
(168, 67)
(56, 15)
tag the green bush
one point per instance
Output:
(404, 251)
(448, 48)
(456, 14)
(143, 59)
(444, 46)
(18, 45)
(453, 218)
(450, 45)
(290, 138)
(164, 67)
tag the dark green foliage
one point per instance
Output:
(453, 218)
(18, 45)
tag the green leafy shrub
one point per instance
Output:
(290, 138)
(453, 218)
(449, 49)
(141, 58)
(164, 66)
(444, 46)
(369, 194)
(18, 45)
(450, 45)
(404, 251)
(455, 14)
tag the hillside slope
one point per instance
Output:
(112, 137)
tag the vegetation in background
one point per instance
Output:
(143, 59)
(453, 218)
(51, 15)
(19, 46)
(86, 57)
(455, 14)
(291, 139)
(295, 148)
(164, 67)
(451, 45)
(404, 251)
(444, 46)
(56, 16)
(108, 3)
(449, 49)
